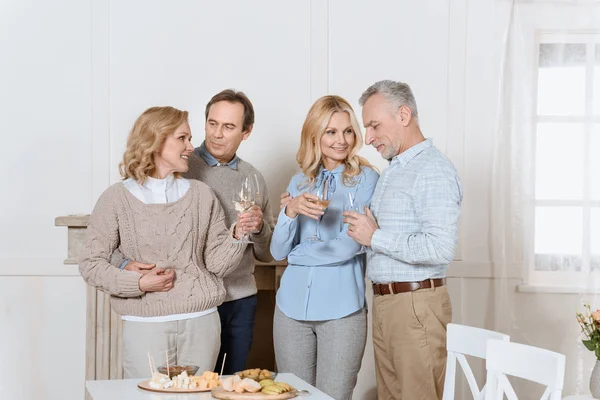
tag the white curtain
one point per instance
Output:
(545, 182)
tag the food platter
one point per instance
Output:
(180, 383)
(250, 384)
(220, 393)
(146, 386)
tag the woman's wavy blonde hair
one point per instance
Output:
(146, 138)
(309, 154)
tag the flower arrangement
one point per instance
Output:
(590, 327)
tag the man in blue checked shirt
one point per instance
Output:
(411, 230)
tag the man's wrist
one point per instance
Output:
(368, 244)
(259, 231)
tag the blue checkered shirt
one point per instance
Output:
(417, 206)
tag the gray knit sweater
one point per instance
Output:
(189, 235)
(224, 181)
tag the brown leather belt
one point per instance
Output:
(380, 289)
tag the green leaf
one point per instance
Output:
(589, 344)
(597, 353)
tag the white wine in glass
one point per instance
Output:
(244, 199)
(321, 193)
(322, 203)
(352, 205)
(256, 187)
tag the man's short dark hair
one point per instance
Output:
(234, 96)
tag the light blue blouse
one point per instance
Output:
(324, 280)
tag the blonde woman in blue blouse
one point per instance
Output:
(320, 323)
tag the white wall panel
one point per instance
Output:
(398, 40)
(44, 122)
(42, 337)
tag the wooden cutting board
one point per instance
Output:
(220, 393)
(145, 385)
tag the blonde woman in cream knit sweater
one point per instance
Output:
(157, 217)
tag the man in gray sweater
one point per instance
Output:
(229, 121)
(229, 118)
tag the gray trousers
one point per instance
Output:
(194, 341)
(326, 354)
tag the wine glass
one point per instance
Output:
(352, 205)
(258, 200)
(256, 187)
(244, 199)
(321, 192)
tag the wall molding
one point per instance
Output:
(319, 49)
(456, 94)
(56, 267)
(100, 104)
(47, 267)
(483, 269)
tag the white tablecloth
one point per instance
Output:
(126, 389)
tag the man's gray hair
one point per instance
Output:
(397, 93)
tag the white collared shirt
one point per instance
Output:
(158, 191)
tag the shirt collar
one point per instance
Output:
(159, 185)
(410, 153)
(203, 152)
(337, 170)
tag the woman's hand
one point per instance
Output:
(304, 204)
(157, 280)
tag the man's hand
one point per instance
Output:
(285, 198)
(139, 267)
(157, 280)
(361, 227)
(252, 220)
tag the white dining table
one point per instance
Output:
(126, 389)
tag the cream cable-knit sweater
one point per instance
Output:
(188, 235)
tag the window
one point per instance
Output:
(566, 228)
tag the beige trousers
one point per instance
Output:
(409, 341)
(194, 341)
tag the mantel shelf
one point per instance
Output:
(76, 221)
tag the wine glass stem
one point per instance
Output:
(317, 228)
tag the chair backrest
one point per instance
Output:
(532, 363)
(466, 340)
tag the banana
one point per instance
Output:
(272, 389)
(286, 387)
(266, 382)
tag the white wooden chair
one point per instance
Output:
(532, 363)
(464, 340)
